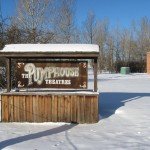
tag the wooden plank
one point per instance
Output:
(73, 108)
(59, 108)
(40, 117)
(62, 109)
(54, 108)
(11, 108)
(87, 110)
(22, 110)
(78, 109)
(43, 109)
(96, 116)
(82, 107)
(28, 108)
(16, 109)
(35, 108)
(5, 107)
(92, 111)
(33, 55)
(81, 112)
(58, 92)
(67, 108)
(37, 113)
(49, 110)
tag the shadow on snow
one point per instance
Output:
(32, 136)
(110, 102)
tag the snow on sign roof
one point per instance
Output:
(86, 48)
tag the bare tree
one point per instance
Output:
(109, 54)
(127, 46)
(32, 18)
(89, 28)
(2, 29)
(143, 37)
(14, 34)
(101, 39)
(63, 22)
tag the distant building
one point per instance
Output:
(148, 62)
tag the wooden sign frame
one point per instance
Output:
(52, 74)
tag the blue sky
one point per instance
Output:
(8, 7)
(117, 11)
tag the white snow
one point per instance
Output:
(51, 48)
(124, 121)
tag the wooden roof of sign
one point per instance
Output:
(50, 50)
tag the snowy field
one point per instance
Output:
(124, 108)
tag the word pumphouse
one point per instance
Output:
(39, 74)
(52, 74)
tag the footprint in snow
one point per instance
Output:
(139, 132)
(93, 131)
(57, 144)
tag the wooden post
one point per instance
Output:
(8, 66)
(95, 74)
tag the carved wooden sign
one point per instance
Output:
(71, 75)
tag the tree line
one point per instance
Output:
(54, 21)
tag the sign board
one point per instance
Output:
(70, 75)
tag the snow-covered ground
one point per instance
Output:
(124, 107)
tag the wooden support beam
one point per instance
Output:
(39, 55)
(95, 74)
(8, 75)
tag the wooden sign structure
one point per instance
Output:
(78, 105)
(67, 75)
(148, 62)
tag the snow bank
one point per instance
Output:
(119, 76)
